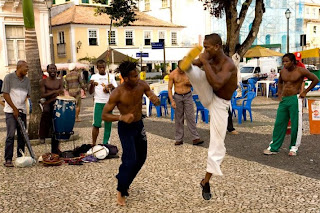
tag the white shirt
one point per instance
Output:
(99, 95)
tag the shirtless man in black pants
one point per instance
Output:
(128, 98)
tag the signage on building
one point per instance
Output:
(157, 45)
(142, 55)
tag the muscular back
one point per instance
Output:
(291, 81)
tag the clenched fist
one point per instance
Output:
(127, 118)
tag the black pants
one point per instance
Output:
(134, 145)
(46, 126)
(230, 123)
(12, 126)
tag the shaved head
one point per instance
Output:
(214, 38)
(20, 63)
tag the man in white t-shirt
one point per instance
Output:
(101, 84)
(16, 89)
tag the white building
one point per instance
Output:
(12, 38)
(188, 13)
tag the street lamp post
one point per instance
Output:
(49, 6)
(141, 51)
(288, 13)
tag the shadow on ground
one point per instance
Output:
(249, 146)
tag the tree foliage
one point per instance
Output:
(121, 12)
(234, 21)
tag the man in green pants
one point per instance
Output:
(101, 84)
(290, 106)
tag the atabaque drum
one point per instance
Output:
(64, 115)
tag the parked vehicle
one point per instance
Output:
(251, 69)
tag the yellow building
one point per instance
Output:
(79, 33)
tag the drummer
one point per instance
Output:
(50, 88)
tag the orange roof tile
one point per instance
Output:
(85, 15)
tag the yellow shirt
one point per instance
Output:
(166, 78)
(143, 75)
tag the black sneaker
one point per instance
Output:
(206, 194)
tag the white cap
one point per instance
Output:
(72, 66)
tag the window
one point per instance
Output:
(85, 1)
(315, 29)
(268, 4)
(147, 5)
(93, 37)
(313, 13)
(129, 38)
(284, 3)
(307, 11)
(61, 37)
(112, 37)
(147, 38)
(268, 39)
(162, 35)
(164, 3)
(174, 38)
(15, 43)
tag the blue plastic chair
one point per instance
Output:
(163, 96)
(236, 107)
(172, 113)
(252, 85)
(200, 108)
(246, 105)
(274, 88)
(244, 88)
(316, 88)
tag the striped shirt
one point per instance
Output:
(74, 83)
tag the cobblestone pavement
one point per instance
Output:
(169, 180)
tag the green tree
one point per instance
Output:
(121, 13)
(234, 21)
(33, 60)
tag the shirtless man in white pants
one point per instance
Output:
(215, 84)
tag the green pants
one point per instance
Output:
(290, 107)
(97, 120)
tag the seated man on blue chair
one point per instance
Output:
(182, 102)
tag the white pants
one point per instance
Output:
(218, 110)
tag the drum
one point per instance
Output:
(64, 115)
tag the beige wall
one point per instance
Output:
(66, 30)
(86, 50)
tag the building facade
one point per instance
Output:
(273, 29)
(189, 13)
(311, 24)
(78, 33)
(12, 37)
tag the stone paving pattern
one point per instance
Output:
(169, 180)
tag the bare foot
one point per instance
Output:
(121, 200)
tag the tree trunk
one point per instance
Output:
(234, 24)
(33, 60)
(35, 73)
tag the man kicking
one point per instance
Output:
(215, 84)
(128, 98)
